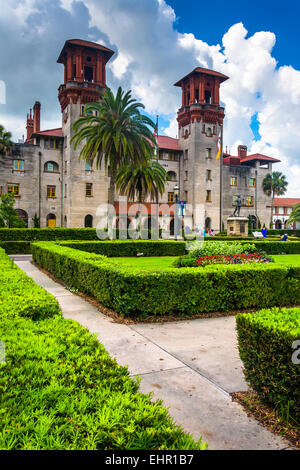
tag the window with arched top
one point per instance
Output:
(88, 221)
(51, 167)
(172, 176)
(209, 132)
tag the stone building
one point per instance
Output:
(282, 208)
(48, 180)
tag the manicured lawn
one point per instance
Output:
(162, 263)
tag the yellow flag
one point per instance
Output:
(219, 147)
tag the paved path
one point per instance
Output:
(191, 365)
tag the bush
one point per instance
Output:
(209, 249)
(21, 296)
(49, 234)
(13, 248)
(265, 345)
(137, 293)
(60, 390)
(127, 248)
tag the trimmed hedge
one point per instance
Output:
(60, 390)
(186, 291)
(127, 248)
(265, 345)
(35, 234)
(21, 296)
(66, 393)
(13, 248)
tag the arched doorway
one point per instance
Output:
(88, 221)
(278, 224)
(172, 227)
(207, 223)
(23, 216)
(51, 220)
(253, 222)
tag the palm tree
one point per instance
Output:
(115, 133)
(6, 144)
(295, 214)
(274, 184)
(142, 181)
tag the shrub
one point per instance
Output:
(60, 390)
(21, 296)
(232, 259)
(13, 248)
(265, 345)
(209, 249)
(127, 248)
(137, 293)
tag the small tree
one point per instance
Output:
(36, 221)
(295, 214)
(6, 144)
(8, 214)
(274, 184)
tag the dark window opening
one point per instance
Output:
(88, 73)
(197, 95)
(74, 70)
(88, 221)
(207, 96)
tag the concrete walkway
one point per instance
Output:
(191, 365)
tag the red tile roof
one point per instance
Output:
(204, 71)
(50, 132)
(169, 143)
(259, 156)
(228, 160)
(81, 42)
(286, 201)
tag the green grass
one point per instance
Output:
(164, 263)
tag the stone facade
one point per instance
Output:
(63, 191)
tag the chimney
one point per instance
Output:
(37, 117)
(242, 151)
(29, 125)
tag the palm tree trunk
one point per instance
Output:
(272, 207)
(111, 202)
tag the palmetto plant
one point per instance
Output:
(6, 144)
(295, 214)
(115, 134)
(274, 184)
(142, 181)
(139, 182)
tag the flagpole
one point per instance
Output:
(221, 180)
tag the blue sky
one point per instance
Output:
(156, 42)
(282, 18)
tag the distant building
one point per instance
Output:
(47, 178)
(281, 212)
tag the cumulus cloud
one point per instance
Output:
(151, 55)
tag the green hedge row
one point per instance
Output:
(14, 248)
(60, 390)
(186, 291)
(127, 248)
(21, 296)
(35, 234)
(49, 234)
(265, 344)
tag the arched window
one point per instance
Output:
(51, 167)
(23, 216)
(209, 132)
(88, 221)
(207, 223)
(172, 176)
(51, 220)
